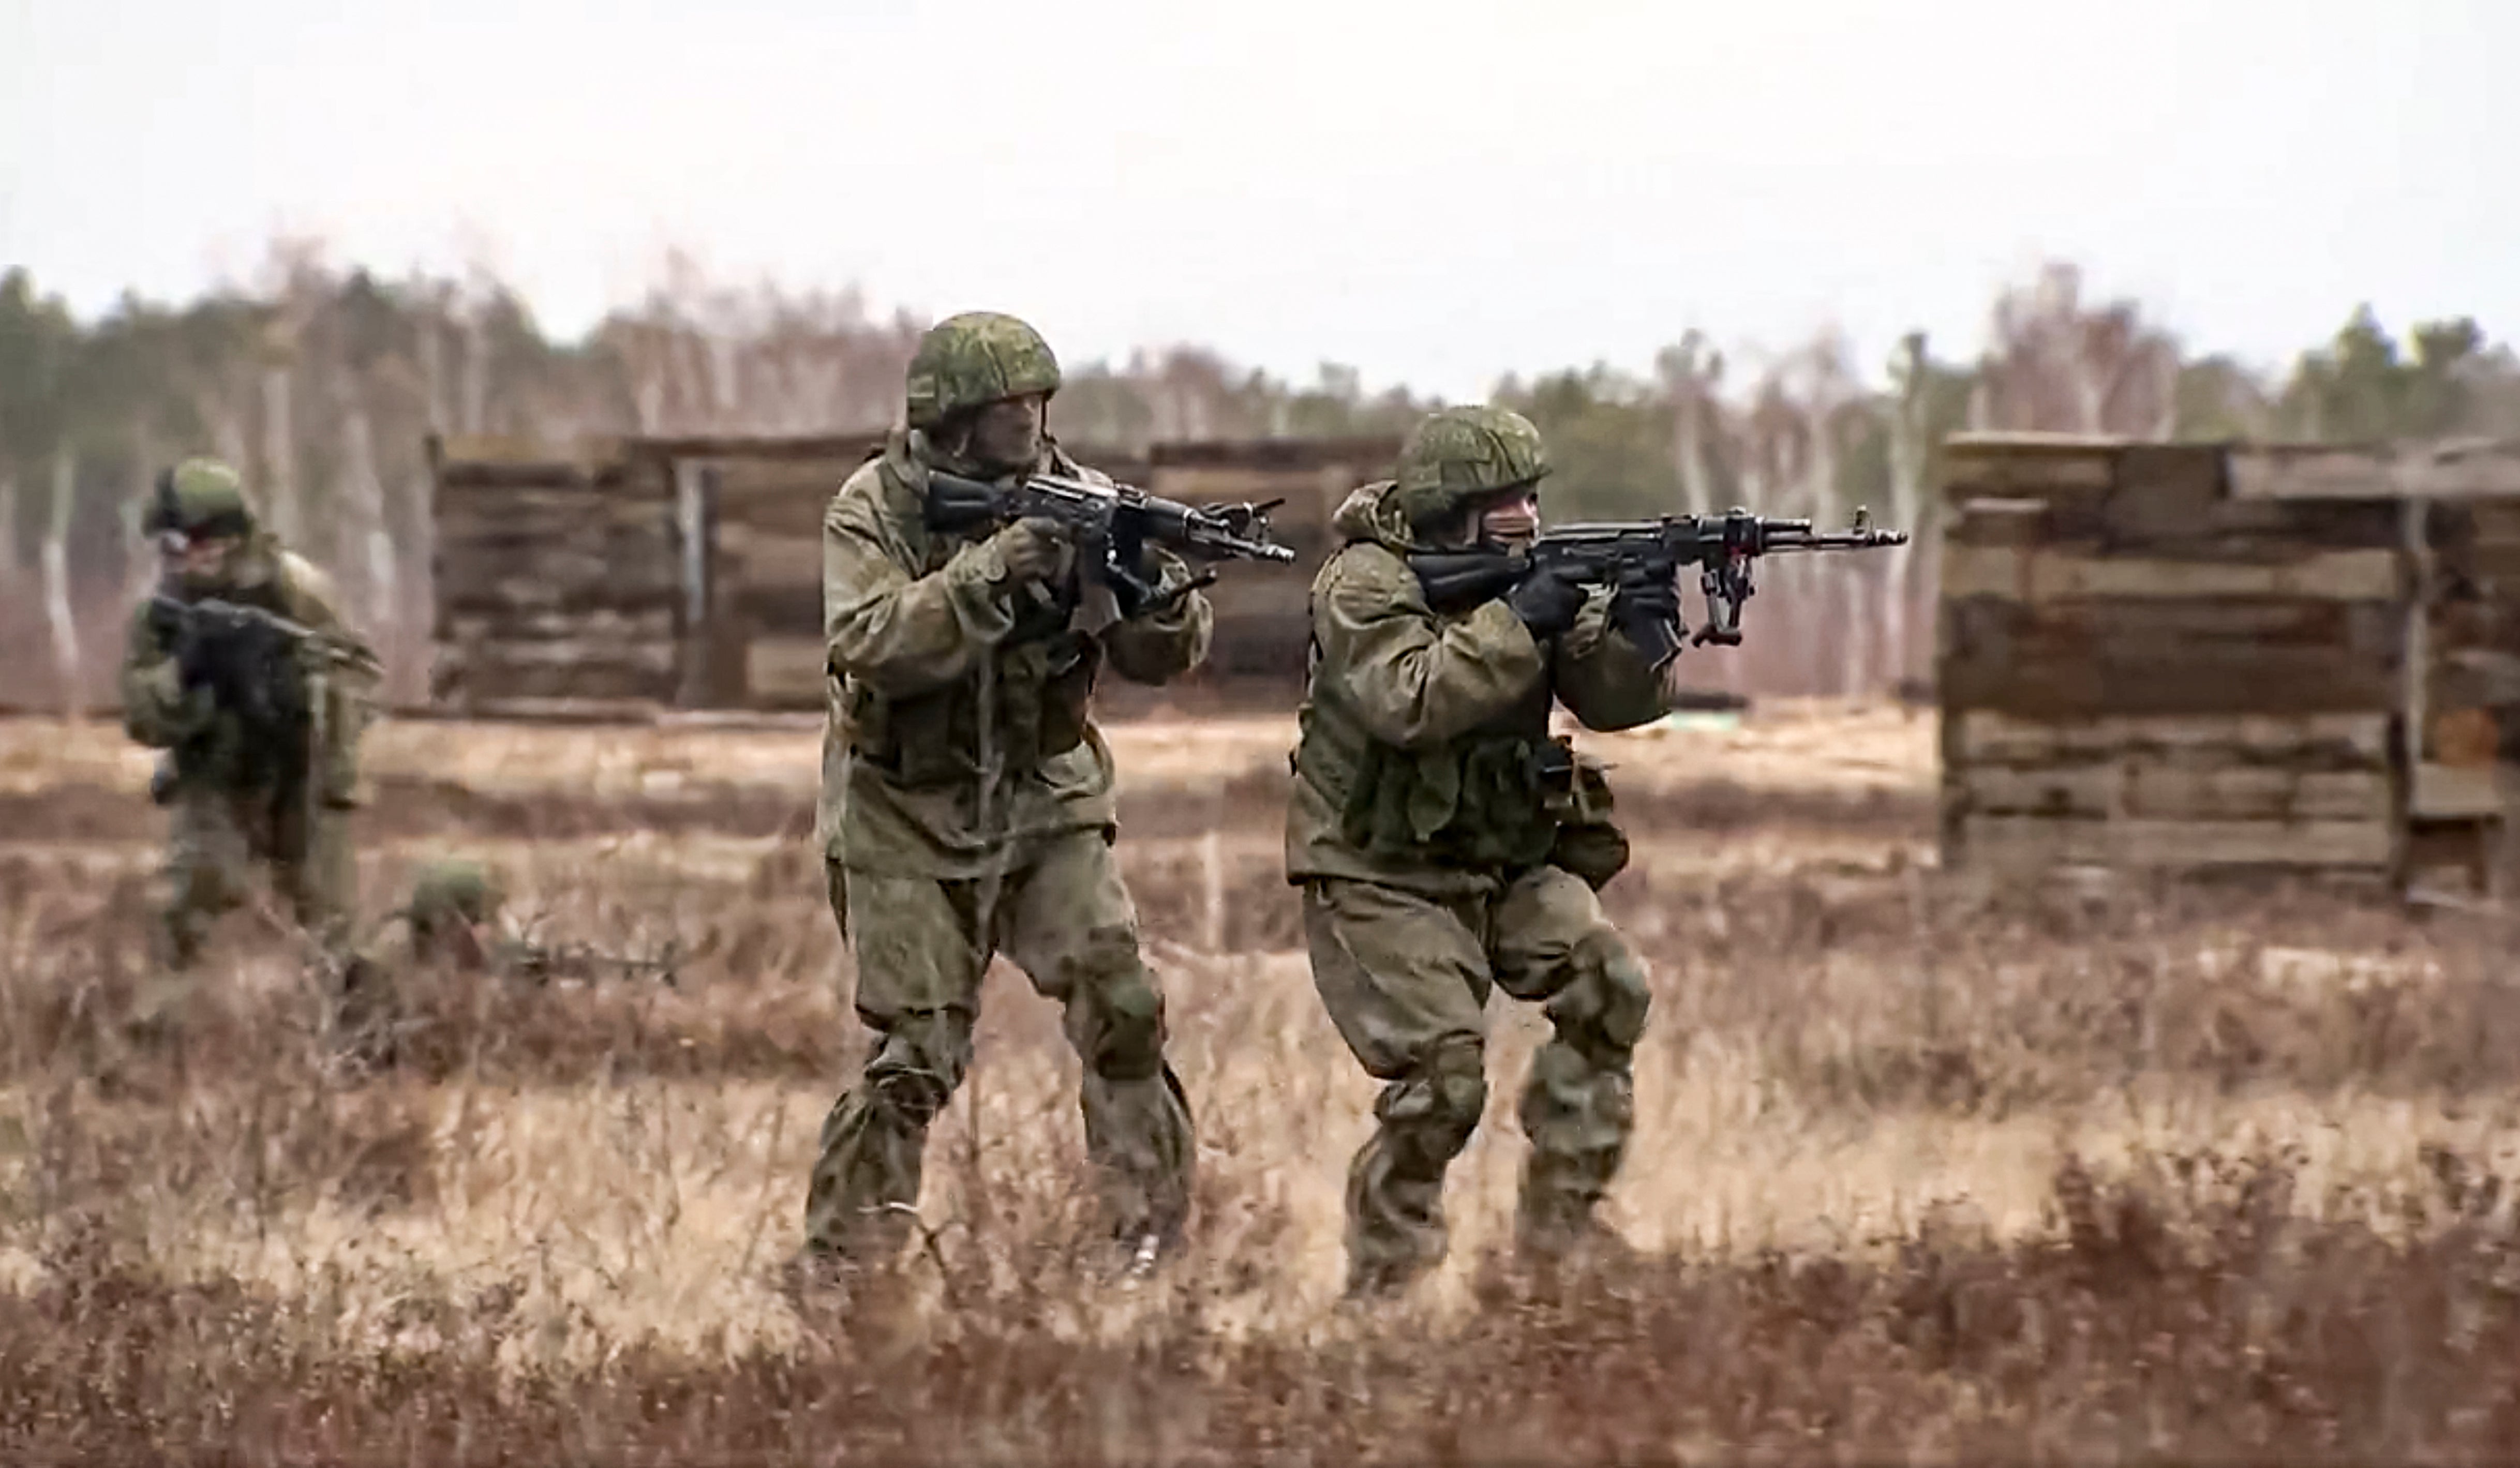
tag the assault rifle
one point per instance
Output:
(244, 655)
(1115, 522)
(1721, 545)
(266, 669)
(545, 963)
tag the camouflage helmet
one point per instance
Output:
(1455, 455)
(974, 359)
(452, 890)
(200, 497)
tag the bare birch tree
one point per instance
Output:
(58, 609)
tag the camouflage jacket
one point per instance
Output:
(1424, 735)
(158, 711)
(934, 668)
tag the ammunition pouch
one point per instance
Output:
(1475, 803)
(1044, 703)
(1499, 802)
(1067, 693)
(1588, 841)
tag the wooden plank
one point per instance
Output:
(2163, 491)
(2455, 792)
(2310, 472)
(2087, 790)
(460, 682)
(2255, 793)
(614, 571)
(2158, 791)
(463, 625)
(2218, 679)
(2315, 742)
(2495, 522)
(2023, 842)
(562, 652)
(2019, 465)
(1996, 521)
(2034, 574)
(2475, 678)
(849, 448)
(784, 672)
(2462, 469)
(2496, 564)
(2168, 633)
(2306, 472)
(780, 610)
(463, 450)
(764, 561)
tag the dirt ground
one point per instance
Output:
(1922, 1169)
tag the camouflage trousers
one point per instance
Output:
(215, 841)
(1067, 922)
(1406, 980)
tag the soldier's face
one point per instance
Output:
(1510, 520)
(198, 559)
(1007, 434)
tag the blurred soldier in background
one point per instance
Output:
(456, 920)
(1446, 844)
(240, 667)
(967, 800)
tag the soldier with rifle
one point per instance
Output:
(456, 920)
(1446, 846)
(242, 669)
(977, 582)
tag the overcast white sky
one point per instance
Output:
(1432, 192)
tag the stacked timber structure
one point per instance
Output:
(618, 577)
(558, 577)
(2197, 656)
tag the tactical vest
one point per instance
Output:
(1045, 673)
(1504, 796)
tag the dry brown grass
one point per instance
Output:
(1920, 1174)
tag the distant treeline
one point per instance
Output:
(322, 381)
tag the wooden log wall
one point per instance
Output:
(766, 559)
(564, 579)
(766, 565)
(2458, 507)
(2139, 669)
(558, 583)
(1263, 621)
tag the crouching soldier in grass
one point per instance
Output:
(457, 921)
(242, 669)
(967, 802)
(1446, 844)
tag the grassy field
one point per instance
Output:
(1923, 1169)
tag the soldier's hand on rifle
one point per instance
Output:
(1646, 607)
(1031, 549)
(1546, 601)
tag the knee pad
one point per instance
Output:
(1129, 1042)
(1603, 1005)
(1436, 1106)
(914, 1070)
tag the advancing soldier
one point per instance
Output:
(242, 668)
(968, 799)
(1446, 843)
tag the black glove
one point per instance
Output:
(1646, 608)
(198, 664)
(1546, 601)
